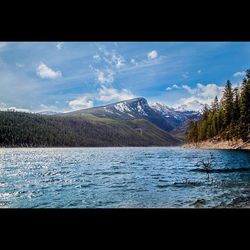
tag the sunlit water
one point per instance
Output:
(119, 177)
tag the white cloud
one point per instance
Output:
(103, 94)
(19, 109)
(5, 107)
(120, 63)
(209, 91)
(190, 103)
(112, 59)
(117, 60)
(174, 86)
(105, 77)
(205, 91)
(189, 89)
(200, 95)
(81, 102)
(111, 94)
(152, 55)
(60, 45)
(45, 72)
(117, 63)
(242, 74)
(237, 84)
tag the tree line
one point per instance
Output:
(227, 118)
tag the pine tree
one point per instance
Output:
(236, 106)
(228, 118)
(215, 117)
(205, 112)
(215, 105)
(192, 134)
(227, 104)
(236, 113)
(245, 107)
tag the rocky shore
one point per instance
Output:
(219, 144)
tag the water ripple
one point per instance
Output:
(120, 177)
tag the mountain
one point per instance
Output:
(127, 123)
(178, 118)
(175, 117)
(138, 108)
(35, 130)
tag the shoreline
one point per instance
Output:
(229, 145)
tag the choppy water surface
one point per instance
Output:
(120, 177)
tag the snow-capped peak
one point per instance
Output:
(160, 107)
(164, 110)
(122, 107)
(137, 106)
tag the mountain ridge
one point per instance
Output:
(159, 114)
(126, 123)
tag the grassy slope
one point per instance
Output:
(141, 127)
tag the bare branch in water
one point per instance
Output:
(206, 165)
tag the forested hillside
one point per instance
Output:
(226, 119)
(33, 130)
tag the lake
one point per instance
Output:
(143, 177)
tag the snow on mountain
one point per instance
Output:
(133, 108)
(176, 117)
(159, 114)
(165, 110)
(140, 109)
(122, 107)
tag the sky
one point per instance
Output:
(67, 76)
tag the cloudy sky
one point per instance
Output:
(65, 76)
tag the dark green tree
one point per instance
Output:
(245, 107)
(228, 118)
(215, 105)
(227, 104)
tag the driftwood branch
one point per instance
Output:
(206, 165)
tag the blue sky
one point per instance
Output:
(65, 76)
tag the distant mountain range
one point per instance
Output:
(128, 123)
(160, 115)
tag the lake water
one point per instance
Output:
(120, 177)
